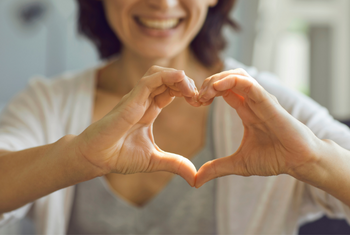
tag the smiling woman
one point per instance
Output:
(206, 44)
(97, 152)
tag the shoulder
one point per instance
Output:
(56, 92)
(62, 85)
(51, 98)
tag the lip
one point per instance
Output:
(158, 33)
(159, 16)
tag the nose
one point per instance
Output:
(162, 4)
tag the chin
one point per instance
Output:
(159, 53)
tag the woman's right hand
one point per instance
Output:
(122, 142)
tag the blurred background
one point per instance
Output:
(305, 42)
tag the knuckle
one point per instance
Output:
(153, 69)
(179, 74)
(274, 98)
(208, 79)
(249, 88)
(231, 77)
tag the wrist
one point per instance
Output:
(315, 170)
(75, 165)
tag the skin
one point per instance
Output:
(132, 115)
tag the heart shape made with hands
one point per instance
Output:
(273, 143)
(234, 86)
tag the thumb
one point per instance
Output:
(170, 162)
(217, 168)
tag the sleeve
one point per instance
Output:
(23, 125)
(324, 126)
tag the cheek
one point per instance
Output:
(116, 11)
(198, 13)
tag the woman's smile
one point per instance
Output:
(158, 27)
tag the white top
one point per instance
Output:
(50, 109)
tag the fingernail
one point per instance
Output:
(195, 100)
(191, 84)
(194, 89)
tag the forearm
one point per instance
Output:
(33, 173)
(330, 173)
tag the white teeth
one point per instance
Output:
(159, 24)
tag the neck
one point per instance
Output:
(130, 67)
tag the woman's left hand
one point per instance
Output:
(274, 142)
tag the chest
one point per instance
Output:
(178, 209)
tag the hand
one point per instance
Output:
(274, 142)
(122, 142)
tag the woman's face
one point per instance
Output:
(156, 29)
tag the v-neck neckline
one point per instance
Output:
(172, 181)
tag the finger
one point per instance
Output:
(133, 106)
(242, 85)
(208, 92)
(204, 85)
(233, 99)
(173, 87)
(159, 91)
(182, 86)
(163, 161)
(214, 169)
(160, 102)
(164, 99)
(155, 69)
(175, 93)
(187, 87)
(262, 104)
(244, 111)
(209, 102)
(149, 84)
(193, 101)
(219, 76)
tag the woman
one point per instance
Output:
(101, 123)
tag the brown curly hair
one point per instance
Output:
(207, 45)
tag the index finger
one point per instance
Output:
(242, 85)
(168, 77)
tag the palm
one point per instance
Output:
(272, 142)
(264, 153)
(138, 151)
